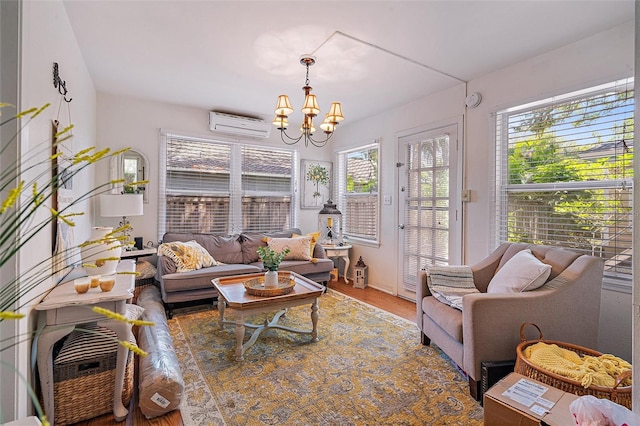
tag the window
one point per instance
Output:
(211, 186)
(357, 189)
(564, 174)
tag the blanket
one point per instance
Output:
(449, 284)
(187, 256)
(588, 370)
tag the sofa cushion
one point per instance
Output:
(250, 241)
(304, 267)
(446, 317)
(187, 256)
(193, 280)
(315, 236)
(299, 248)
(523, 272)
(223, 248)
(558, 258)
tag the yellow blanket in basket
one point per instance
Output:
(588, 370)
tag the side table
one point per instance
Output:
(62, 309)
(135, 254)
(342, 251)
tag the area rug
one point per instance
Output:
(368, 368)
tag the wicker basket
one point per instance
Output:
(255, 286)
(618, 394)
(83, 388)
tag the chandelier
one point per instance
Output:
(310, 109)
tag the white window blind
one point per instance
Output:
(266, 189)
(209, 186)
(358, 192)
(564, 174)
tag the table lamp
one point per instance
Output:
(122, 205)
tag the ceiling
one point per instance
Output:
(238, 56)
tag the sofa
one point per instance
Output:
(566, 307)
(236, 254)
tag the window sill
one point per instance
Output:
(361, 242)
(616, 284)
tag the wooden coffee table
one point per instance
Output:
(233, 296)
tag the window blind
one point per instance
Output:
(210, 186)
(564, 174)
(358, 192)
(267, 188)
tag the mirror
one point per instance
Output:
(132, 166)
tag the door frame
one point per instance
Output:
(457, 228)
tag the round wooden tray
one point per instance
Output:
(255, 287)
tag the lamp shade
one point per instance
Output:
(121, 205)
(335, 112)
(310, 106)
(284, 106)
(281, 122)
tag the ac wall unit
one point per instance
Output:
(238, 125)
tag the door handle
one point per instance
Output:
(401, 226)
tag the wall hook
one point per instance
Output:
(60, 84)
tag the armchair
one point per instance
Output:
(566, 307)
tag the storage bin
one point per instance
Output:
(84, 374)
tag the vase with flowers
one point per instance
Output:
(271, 260)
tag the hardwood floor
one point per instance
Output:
(401, 307)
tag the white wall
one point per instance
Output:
(47, 38)
(128, 122)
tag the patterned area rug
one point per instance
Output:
(368, 368)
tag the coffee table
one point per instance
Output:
(233, 296)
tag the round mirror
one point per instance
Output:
(132, 166)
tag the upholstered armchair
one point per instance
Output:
(566, 308)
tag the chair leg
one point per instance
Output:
(474, 389)
(169, 310)
(424, 339)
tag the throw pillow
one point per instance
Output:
(315, 236)
(449, 283)
(298, 247)
(188, 256)
(523, 272)
(145, 270)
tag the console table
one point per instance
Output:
(62, 309)
(342, 251)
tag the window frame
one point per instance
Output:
(340, 188)
(501, 187)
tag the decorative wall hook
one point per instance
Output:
(59, 83)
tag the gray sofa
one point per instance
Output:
(239, 255)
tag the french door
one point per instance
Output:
(429, 203)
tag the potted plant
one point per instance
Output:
(271, 260)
